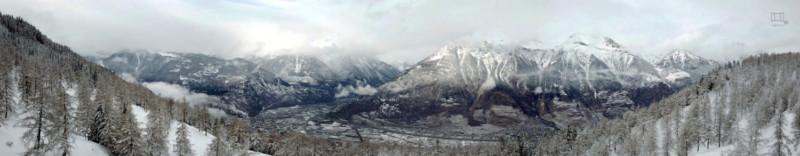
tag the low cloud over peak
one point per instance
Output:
(397, 31)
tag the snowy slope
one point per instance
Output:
(767, 138)
(197, 138)
(11, 138)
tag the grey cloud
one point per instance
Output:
(407, 31)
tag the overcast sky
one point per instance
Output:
(408, 30)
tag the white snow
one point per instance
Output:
(12, 144)
(489, 84)
(167, 54)
(197, 138)
(677, 75)
(767, 139)
(538, 90)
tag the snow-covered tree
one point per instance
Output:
(238, 135)
(668, 139)
(753, 137)
(60, 116)
(219, 146)
(182, 145)
(203, 120)
(6, 87)
(780, 148)
(86, 107)
(157, 130)
(651, 141)
(796, 126)
(34, 99)
(126, 133)
(720, 122)
(100, 129)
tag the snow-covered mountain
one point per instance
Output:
(584, 79)
(681, 67)
(353, 70)
(251, 85)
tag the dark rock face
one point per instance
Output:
(248, 85)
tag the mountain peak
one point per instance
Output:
(682, 64)
(484, 48)
(681, 55)
(595, 41)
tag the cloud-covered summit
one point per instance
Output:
(407, 31)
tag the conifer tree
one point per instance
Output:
(126, 133)
(60, 116)
(796, 127)
(182, 145)
(86, 108)
(6, 88)
(203, 120)
(779, 148)
(668, 139)
(218, 146)
(34, 98)
(238, 135)
(651, 141)
(100, 129)
(156, 132)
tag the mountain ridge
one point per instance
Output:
(579, 82)
(256, 83)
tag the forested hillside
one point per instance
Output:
(57, 97)
(743, 108)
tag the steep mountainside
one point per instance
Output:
(255, 84)
(581, 81)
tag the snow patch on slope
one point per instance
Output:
(677, 75)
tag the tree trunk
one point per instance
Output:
(39, 130)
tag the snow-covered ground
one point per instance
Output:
(11, 135)
(197, 137)
(767, 139)
(11, 138)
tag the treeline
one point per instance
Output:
(733, 105)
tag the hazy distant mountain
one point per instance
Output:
(249, 85)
